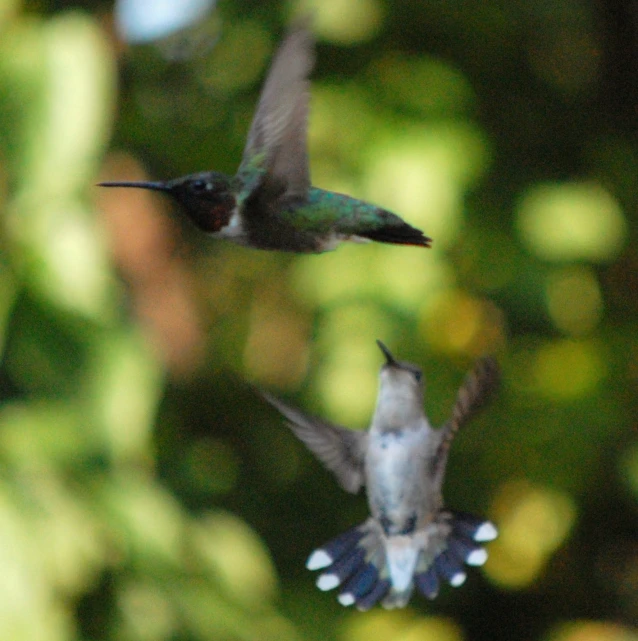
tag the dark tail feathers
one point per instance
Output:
(397, 232)
(463, 547)
(356, 561)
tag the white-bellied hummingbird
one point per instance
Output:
(270, 203)
(410, 539)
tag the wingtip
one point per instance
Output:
(271, 399)
(489, 366)
(267, 396)
(275, 401)
(302, 21)
(300, 38)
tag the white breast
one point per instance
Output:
(234, 229)
(394, 464)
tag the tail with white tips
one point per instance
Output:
(367, 566)
(462, 547)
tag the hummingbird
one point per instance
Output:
(270, 203)
(410, 539)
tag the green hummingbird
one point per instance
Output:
(270, 203)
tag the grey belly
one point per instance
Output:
(396, 491)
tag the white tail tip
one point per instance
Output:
(458, 579)
(345, 598)
(486, 532)
(327, 582)
(318, 559)
(476, 557)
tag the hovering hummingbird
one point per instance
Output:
(270, 203)
(410, 538)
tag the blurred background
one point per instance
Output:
(146, 492)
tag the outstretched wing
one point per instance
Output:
(277, 144)
(471, 397)
(341, 450)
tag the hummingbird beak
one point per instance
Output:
(390, 360)
(154, 186)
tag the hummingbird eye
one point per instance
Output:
(199, 185)
(417, 376)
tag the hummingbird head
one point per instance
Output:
(207, 197)
(400, 400)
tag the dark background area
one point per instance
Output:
(146, 491)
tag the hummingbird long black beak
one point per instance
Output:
(270, 203)
(154, 186)
(390, 360)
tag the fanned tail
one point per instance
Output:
(355, 562)
(369, 567)
(462, 546)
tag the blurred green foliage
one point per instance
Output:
(146, 492)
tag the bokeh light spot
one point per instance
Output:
(408, 277)
(342, 116)
(533, 522)
(344, 21)
(425, 84)
(572, 221)
(399, 626)
(347, 378)
(144, 518)
(455, 322)
(74, 260)
(568, 369)
(401, 276)
(27, 607)
(574, 299)
(422, 172)
(126, 412)
(592, 631)
(146, 20)
(348, 387)
(276, 350)
(68, 530)
(8, 9)
(236, 555)
(240, 57)
(146, 614)
(66, 122)
(80, 75)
